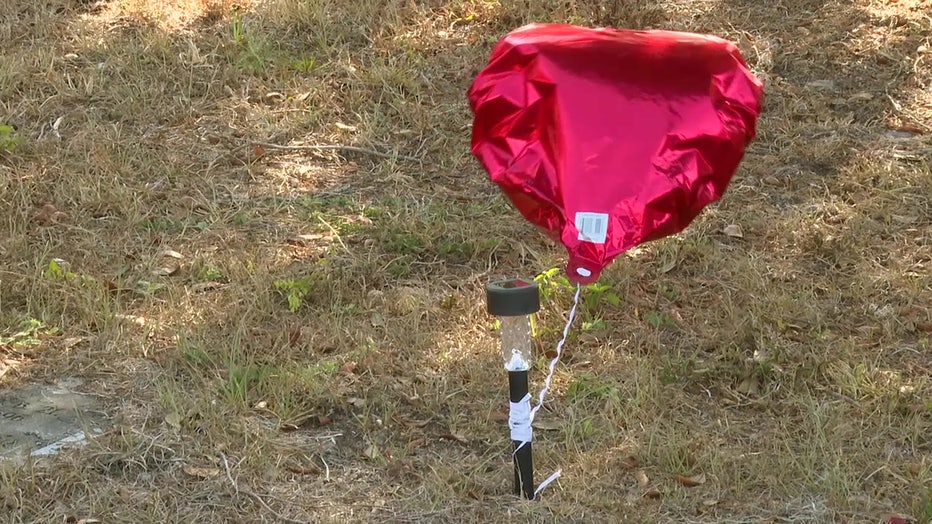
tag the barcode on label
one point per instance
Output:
(593, 227)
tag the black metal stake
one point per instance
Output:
(524, 463)
(513, 301)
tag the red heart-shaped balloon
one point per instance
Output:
(608, 138)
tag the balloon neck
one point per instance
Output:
(581, 272)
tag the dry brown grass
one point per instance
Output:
(790, 367)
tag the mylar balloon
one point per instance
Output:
(608, 138)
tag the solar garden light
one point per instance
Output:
(513, 301)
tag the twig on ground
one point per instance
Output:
(327, 469)
(339, 148)
(226, 467)
(326, 436)
(257, 498)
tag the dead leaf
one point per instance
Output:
(173, 419)
(200, 472)
(500, 416)
(709, 502)
(652, 493)
(49, 214)
(371, 452)
(324, 420)
(733, 230)
(416, 423)
(396, 469)
(295, 423)
(827, 85)
(630, 462)
(911, 128)
(348, 368)
(895, 519)
(164, 271)
(257, 151)
(356, 402)
(750, 386)
(301, 470)
(71, 342)
(303, 96)
(690, 482)
(343, 127)
(641, 477)
(454, 436)
(377, 320)
(172, 254)
(294, 336)
(312, 236)
(416, 443)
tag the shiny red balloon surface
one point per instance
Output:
(609, 138)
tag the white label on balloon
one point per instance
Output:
(593, 227)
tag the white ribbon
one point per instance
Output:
(544, 484)
(519, 420)
(556, 359)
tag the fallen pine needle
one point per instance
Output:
(339, 148)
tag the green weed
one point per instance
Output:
(27, 333)
(295, 291)
(9, 139)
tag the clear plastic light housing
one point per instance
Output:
(516, 342)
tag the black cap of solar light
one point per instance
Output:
(512, 298)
